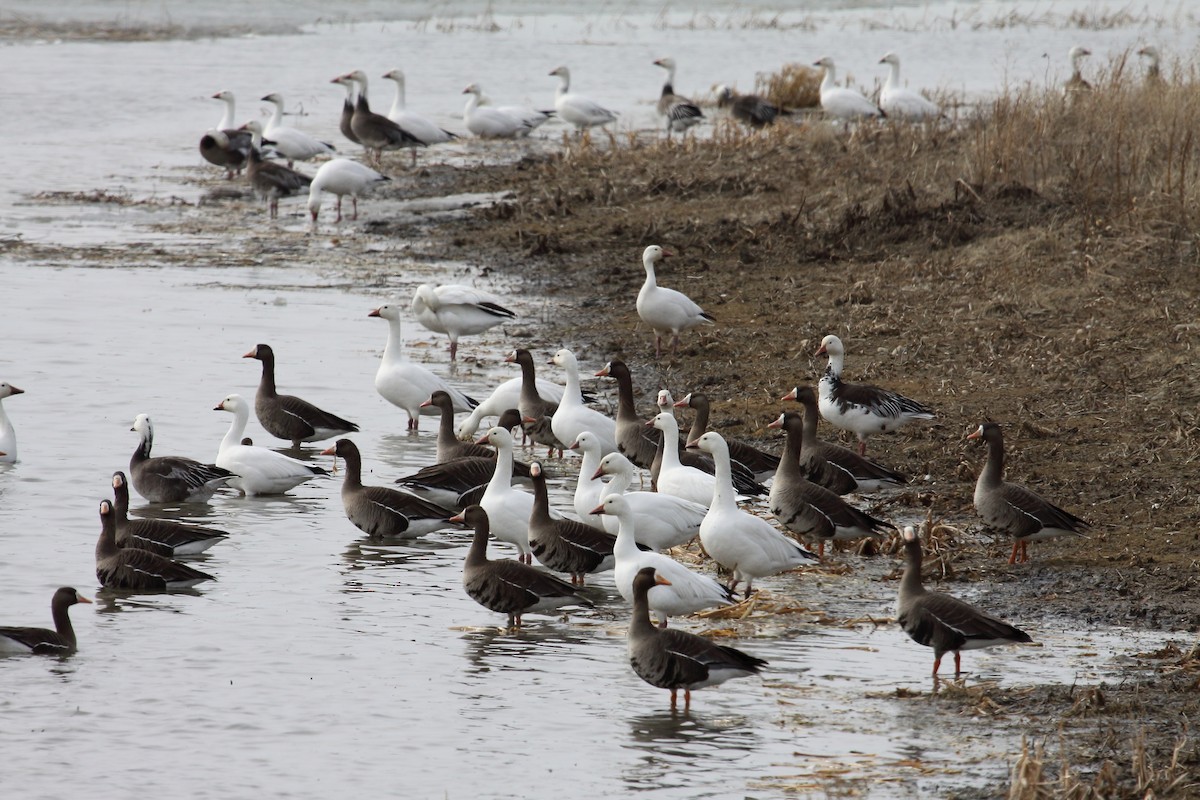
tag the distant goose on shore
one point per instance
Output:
(341, 177)
(420, 126)
(575, 109)
(171, 479)
(943, 622)
(42, 641)
(457, 311)
(163, 536)
(269, 180)
(843, 103)
(679, 112)
(900, 102)
(749, 109)
(374, 131)
(291, 143)
(666, 310)
(1077, 85)
(8, 436)
(130, 568)
(225, 145)
(381, 512)
(347, 108)
(861, 408)
(258, 470)
(530, 117)
(286, 416)
(1153, 60)
(489, 122)
(1015, 510)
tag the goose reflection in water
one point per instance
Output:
(673, 746)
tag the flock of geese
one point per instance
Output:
(699, 485)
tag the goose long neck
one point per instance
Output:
(564, 85)
(227, 120)
(446, 437)
(723, 494)
(828, 81)
(502, 477)
(529, 393)
(626, 411)
(648, 263)
(398, 102)
(276, 115)
(106, 545)
(591, 462)
(834, 368)
(993, 469)
(670, 446)
(894, 76)
(789, 463)
(541, 500)
(233, 437)
(626, 544)
(808, 434)
(640, 624)
(477, 555)
(144, 444)
(573, 392)
(472, 104)
(393, 351)
(618, 483)
(121, 504)
(62, 621)
(700, 423)
(910, 582)
(353, 479)
(266, 385)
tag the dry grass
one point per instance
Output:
(794, 86)
(1031, 779)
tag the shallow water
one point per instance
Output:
(319, 664)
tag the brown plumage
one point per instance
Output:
(171, 479)
(272, 181)
(749, 109)
(42, 641)
(226, 148)
(162, 536)
(838, 469)
(943, 622)
(634, 440)
(129, 568)
(1013, 509)
(376, 132)
(287, 417)
(507, 586)
(450, 483)
(347, 108)
(536, 411)
(449, 446)
(381, 512)
(566, 545)
(670, 658)
(758, 463)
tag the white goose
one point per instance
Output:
(674, 477)
(843, 103)
(508, 509)
(589, 487)
(573, 417)
(575, 109)
(457, 310)
(342, 177)
(530, 117)
(688, 592)
(898, 101)
(505, 396)
(291, 143)
(746, 544)
(666, 310)
(418, 125)
(258, 470)
(488, 122)
(405, 384)
(663, 521)
(8, 436)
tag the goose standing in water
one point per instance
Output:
(291, 143)
(666, 310)
(566, 545)
(458, 311)
(378, 511)
(674, 659)
(130, 568)
(843, 103)
(679, 112)
(171, 479)
(1013, 509)
(163, 536)
(226, 145)
(943, 622)
(269, 180)
(341, 177)
(287, 417)
(347, 108)
(749, 109)
(575, 109)
(42, 641)
(900, 102)
(861, 408)
(423, 128)
(662, 520)
(8, 436)
(258, 470)
(537, 413)
(374, 131)
(572, 417)
(634, 440)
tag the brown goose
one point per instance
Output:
(129, 568)
(566, 545)
(508, 586)
(670, 658)
(270, 180)
(229, 149)
(536, 411)
(837, 468)
(634, 440)
(810, 510)
(1077, 85)
(171, 479)
(381, 512)
(760, 464)
(679, 112)
(943, 622)
(449, 446)
(376, 132)
(749, 109)
(1013, 509)
(287, 417)
(347, 108)
(42, 641)
(162, 536)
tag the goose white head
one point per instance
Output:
(614, 504)
(254, 126)
(224, 95)
(1077, 54)
(395, 75)
(388, 312)
(474, 89)
(827, 63)
(497, 438)
(665, 401)
(652, 254)
(8, 390)
(142, 425)
(665, 422)
(831, 346)
(586, 442)
(711, 443)
(561, 72)
(890, 58)
(614, 464)
(274, 98)
(565, 359)
(909, 533)
(235, 404)
(359, 77)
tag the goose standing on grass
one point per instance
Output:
(943, 622)
(423, 128)
(634, 440)
(575, 109)
(1153, 69)
(225, 145)
(679, 112)
(488, 122)
(566, 545)
(1015, 510)
(508, 509)
(663, 521)
(457, 311)
(374, 131)
(163, 536)
(760, 464)
(269, 180)
(405, 384)
(505, 396)
(378, 511)
(537, 413)
(347, 108)
(42, 641)
(287, 417)
(861, 408)
(744, 543)
(590, 486)
(171, 479)
(688, 591)
(130, 568)
(341, 177)
(1076, 84)
(8, 436)
(292, 143)
(666, 310)
(507, 586)
(573, 417)
(749, 109)
(674, 659)
(843, 103)
(838, 469)
(900, 102)
(807, 509)
(258, 470)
